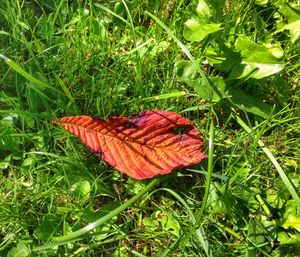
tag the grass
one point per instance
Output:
(61, 58)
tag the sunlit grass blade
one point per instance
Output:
(178, 42)
(78, 233)
(223, 178)
(98, 5)
(21, 71)
(164, 96)
(65, 89)
(209, 172)
(288, 183)
(27, 75)
(138, 66)
(199, 232)
(184, 50)
(199, 214)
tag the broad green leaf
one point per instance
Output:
(150, 223)
(248, 103)
(258, 61)
(46, 227)
(261, 2)
(133, 186)
(259, 70)
(99, 29)
(222, 59)
(204, 91)
(288, 238)
(249, 59)
(120, 10)
(4, 162)
(81, 189)
(169, 223)
(293, 28)
(290, 209)
(203, 10)
(7, 141)
(186, 72)
(21, 250)
(290, 11)
(252, 52)
(293, 222)
(273, 199)
(256, 233)
(196, 31)
(219, 201)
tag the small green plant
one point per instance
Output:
(227, 43)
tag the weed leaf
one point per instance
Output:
(266, 61)
(248, 103)
(196, 31)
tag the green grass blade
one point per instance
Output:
(199, 232)
(16, 67)
(24, 73)
(209, 172)
(164, 96)
(100, 6)
(288, 183)
(207, 187)
(138, 66)
(221, 177)
(76, 234)
(181, 45)
(65, 89)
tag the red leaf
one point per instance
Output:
(151, 143)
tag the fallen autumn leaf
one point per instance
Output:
(151, 143)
